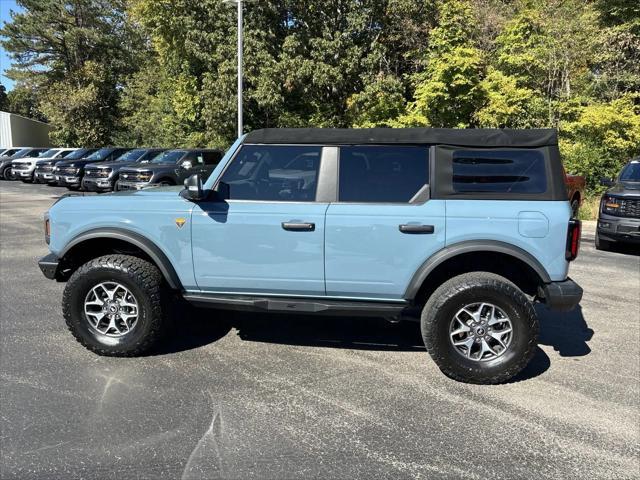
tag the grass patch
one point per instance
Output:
(589, 208)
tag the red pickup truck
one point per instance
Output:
(575, 188)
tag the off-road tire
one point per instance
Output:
(575, 208)
(475, 287)
(604, 245)
(6, 173)
(143, 280)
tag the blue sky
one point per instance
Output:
(5, 61)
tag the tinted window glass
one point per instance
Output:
(131, 155)
(274, 173)
(172, 156)
(82, 153)
(212, 158)
(101, 154)
(195, 158)
(150, 154)
(25, 152)
(499, 171)
(47, 153)
(631, 173)
(382, 173)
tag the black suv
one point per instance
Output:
(619, 217)
(101, 177)
(44, 168)
(69, 173)
(170, 168)
(5, 160)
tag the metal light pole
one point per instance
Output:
(240, 48)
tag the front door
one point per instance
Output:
(268, 236)
(383, 226)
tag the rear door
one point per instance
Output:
(383, 225)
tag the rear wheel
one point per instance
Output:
(113, 305)
(480, 328)
(575, 207)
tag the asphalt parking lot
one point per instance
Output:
(239, 396)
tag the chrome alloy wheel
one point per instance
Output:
(111, 309)
(481, 331)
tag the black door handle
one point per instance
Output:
(412, 228)
(299, 227)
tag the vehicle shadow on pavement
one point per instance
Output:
(567, 332)
(626, 249)
(336, 332)
(199, 327)
(193, 328)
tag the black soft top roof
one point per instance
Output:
(471, 137)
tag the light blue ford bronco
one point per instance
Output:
(461, 230)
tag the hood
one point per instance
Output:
(114, 164)
(151, 167)
(32, 159)
(625, 189)
(81, 162)
(152, 190)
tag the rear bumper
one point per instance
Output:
(49, 266)
(562, 296)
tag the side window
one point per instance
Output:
(212, 158)
(195, 158)
(116, 153)
(499, 171)
(383, 174)
(274, 173)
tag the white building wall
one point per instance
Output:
(17, 131)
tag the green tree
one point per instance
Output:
(602, 139)
(73, 54)
(448, 91)
(4, 99)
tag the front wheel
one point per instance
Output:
(113, 305)
(601, 244)
(7, 174)
(480, 328)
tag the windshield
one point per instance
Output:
(631, 173)
(81, 153)
(10, 151)
(100, 154)
(131, 155)
(48, 153)
(22, 153)
(172, 156)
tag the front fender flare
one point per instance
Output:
(140, 241)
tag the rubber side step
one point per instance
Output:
(298, 305)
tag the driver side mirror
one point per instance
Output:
(607, 182)
(193, 190)
(222, 191)
(186, 164)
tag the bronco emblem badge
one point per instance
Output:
(180, 222)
